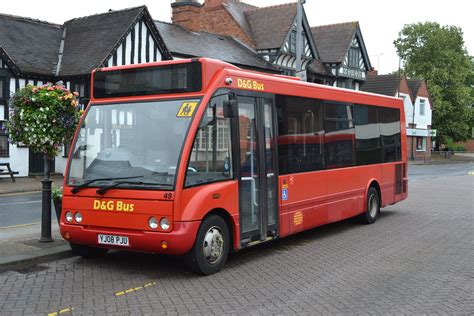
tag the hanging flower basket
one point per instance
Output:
(43, 118)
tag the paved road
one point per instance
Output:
(19, 209)
(418, 258)
(417, 172)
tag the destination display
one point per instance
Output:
(167, 79)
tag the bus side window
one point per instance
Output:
(211, 156)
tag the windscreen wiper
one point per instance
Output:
(85, 184)
(102, 190)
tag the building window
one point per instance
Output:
(354, 56)
(292, 41)
(420, 144)
(422, 107)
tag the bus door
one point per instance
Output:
(256, 162)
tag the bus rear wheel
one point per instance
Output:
(211, 247)
(372, 210)
(87, 251)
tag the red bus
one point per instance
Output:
(199, 158)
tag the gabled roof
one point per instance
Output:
(414, 85)
(334, 41)
(271, 25)
(186, 43)
(33, 47)
(382, 84)
(237, 10)
(90, 39)
(29, 46)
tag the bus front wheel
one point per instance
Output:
(372, 209)
(211, 247)
(87, 251)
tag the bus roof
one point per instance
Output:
(211, 68)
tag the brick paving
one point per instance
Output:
(417, 258)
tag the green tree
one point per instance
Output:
(437, 54)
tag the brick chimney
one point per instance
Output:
(186, 13)
(214, 3)
(372, 72)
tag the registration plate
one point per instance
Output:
(113, 240)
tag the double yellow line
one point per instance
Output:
(134, 289)
(130, 290)
(62, 311)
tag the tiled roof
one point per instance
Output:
(271, 25)
(334, 40)
(202, 44)
(382, 84)
(237, 11)
(316, 66)
(32, 45)
(414, 86)
(90, 39)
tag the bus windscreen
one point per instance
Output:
(177, 78)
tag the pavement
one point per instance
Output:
(19, 244)
(25, 184)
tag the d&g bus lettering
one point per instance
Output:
(113, 206)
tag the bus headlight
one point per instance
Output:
(78, 217)
(153, 223)
(68, 217)
(164, 223)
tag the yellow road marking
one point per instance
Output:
(62, 311)
(19, 193)
(134, 289)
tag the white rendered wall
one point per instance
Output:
(422, 121)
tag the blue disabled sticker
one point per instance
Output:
(284, 194)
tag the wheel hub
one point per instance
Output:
(373, 206)
(213, 245)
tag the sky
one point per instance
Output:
(380, 21)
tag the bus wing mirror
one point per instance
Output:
(230, 108)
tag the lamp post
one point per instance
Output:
(46, 204)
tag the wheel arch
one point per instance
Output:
(374, 183)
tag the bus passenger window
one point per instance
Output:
(339, 135)
(211, 156)
(300, 134)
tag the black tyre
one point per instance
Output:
(372, 208)
(211, 247)
(87, 251)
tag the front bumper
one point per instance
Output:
(179, 241)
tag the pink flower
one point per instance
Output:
(76, 94)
